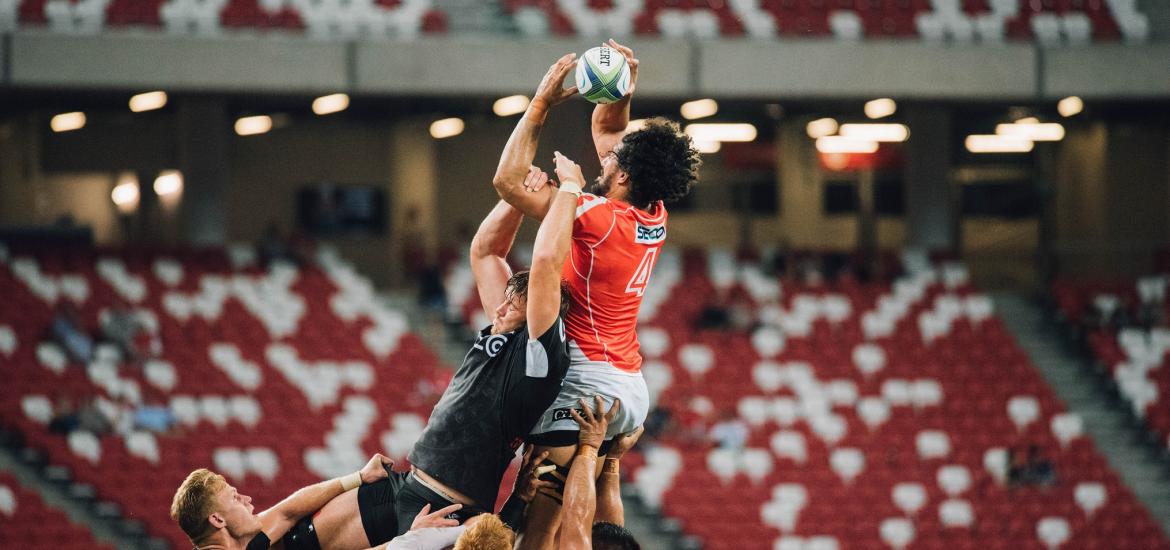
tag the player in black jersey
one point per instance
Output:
(214, 515)
(512, 373)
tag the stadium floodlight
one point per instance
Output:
(511, 105)
(148, 101)
(740, 131)
(125, 194)
(447, 127)
(841, 144)
(1028, 120)
(329, 104)
(1070, 106)
(699, 108)
(67, 122)
(821, 127)
(708, 147)
(168, 182)
(876, 132)
(253, 125)
(994, 143)
(880, 108)
(1048, 131)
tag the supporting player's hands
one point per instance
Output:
(631, 61)
(624, 442)
(592, 422)
(551, 88)
(426, 519)
(567, 170)
(377, 468)
(536, 180)
(528, 481)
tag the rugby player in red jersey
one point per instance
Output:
(618, 234)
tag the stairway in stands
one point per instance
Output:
(1106, 419)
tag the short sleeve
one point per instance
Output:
(259, 542)
(549, 353)
(593, 219)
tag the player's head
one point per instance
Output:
(486, 532)
(514, 310)
(206, 504)
(609, 536)
(656, 163)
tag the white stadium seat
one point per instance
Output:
(697, 359)
(909, 497)
(897, 532)
(1053, 531)
(1090, 497)
(954, 479)
(1023, 410)
(1067, 427)
(790, 445)
(847, 463)
(956, 513)
(932, 444)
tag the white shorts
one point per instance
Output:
(586, 379)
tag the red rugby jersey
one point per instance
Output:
(615, 247)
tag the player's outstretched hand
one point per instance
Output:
(535, 180)
(426, 518)
(551, 88)
(624, 442)
(377, 468)
(593, 423)
(567, 170)
(631, 61)
(528, 481)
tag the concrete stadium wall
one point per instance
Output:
(489, 66)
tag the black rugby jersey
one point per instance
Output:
(504, 385)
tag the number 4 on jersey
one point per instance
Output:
(641, 277)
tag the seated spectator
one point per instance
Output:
(273, 247)
(65, 418)
(730, 432)
(121, 326)
(153, 418)
(1030, 468)
(68, 331)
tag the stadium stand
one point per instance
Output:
(877, 415)
(277, 377)
(1048, 21)
(1123, 325)
(29, 523)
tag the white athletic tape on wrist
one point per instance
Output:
(351, 481)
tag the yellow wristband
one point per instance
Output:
(351, 481)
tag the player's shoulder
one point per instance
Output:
(589, 202)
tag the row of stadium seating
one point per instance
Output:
(1048, 21)
(276, 377)
(1125, 326)
(28, 523)
(877, 415)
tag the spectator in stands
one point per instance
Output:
(658, 422)
(65, 417)
(273, 247)
(90, 417)
(730, 432)
(592, 515)
(68, 331)
(1030, 468)
(153, 418)
(121, 326)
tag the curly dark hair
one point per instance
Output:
(662, 162)
(608, 536)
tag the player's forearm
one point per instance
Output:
(555, 236)
(579, 501)
(609, 495)
(308, 500)
(611, 118)
(518, 155)
(497, 232)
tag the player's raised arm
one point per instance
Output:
(580, 493)
(490, 246)
(276, 521)
(521, 146)
(609, 485)
(553, 240)
(611, 119)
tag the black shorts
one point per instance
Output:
(565, 438)
(302, 536)
(377, 504)
(414, 496)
